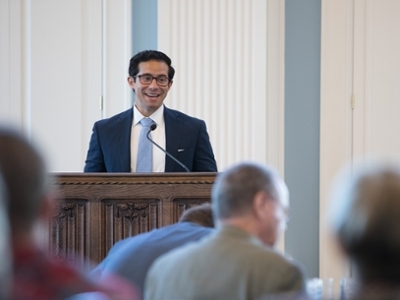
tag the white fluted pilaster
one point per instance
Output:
(229, 61)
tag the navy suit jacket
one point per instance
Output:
(110, 144)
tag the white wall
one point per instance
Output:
(59, 58)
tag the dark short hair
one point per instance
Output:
(234, 190)
(200, 214)
(25, 178)
(148, 55)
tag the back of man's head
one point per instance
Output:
(24, 175)
(366, 220)
(234, 189)
(201, 215)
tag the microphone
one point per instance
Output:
(153, 127)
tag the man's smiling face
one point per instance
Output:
(150, 97)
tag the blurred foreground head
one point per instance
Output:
(365, 218)
(25, 178)
(5, 249)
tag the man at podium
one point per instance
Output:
(150, 137)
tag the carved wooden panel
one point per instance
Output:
(98, 209)
(125, 218)
(68, 230)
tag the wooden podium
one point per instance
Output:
(98, 209)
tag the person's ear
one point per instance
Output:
(131, 82)
(260, 204)
(170, 84)
(341, 245)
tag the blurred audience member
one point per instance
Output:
(35, 275)
(132, 257)
(366, 221)
(5, 253)
(250, 203)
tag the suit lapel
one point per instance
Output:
(173, 130)
(122, 131)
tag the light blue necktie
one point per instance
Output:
(145, 154)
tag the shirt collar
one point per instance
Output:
(157, 116)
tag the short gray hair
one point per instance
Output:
(234, 190)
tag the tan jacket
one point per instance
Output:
(229, 264)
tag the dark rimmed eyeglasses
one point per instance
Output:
(147, 79)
